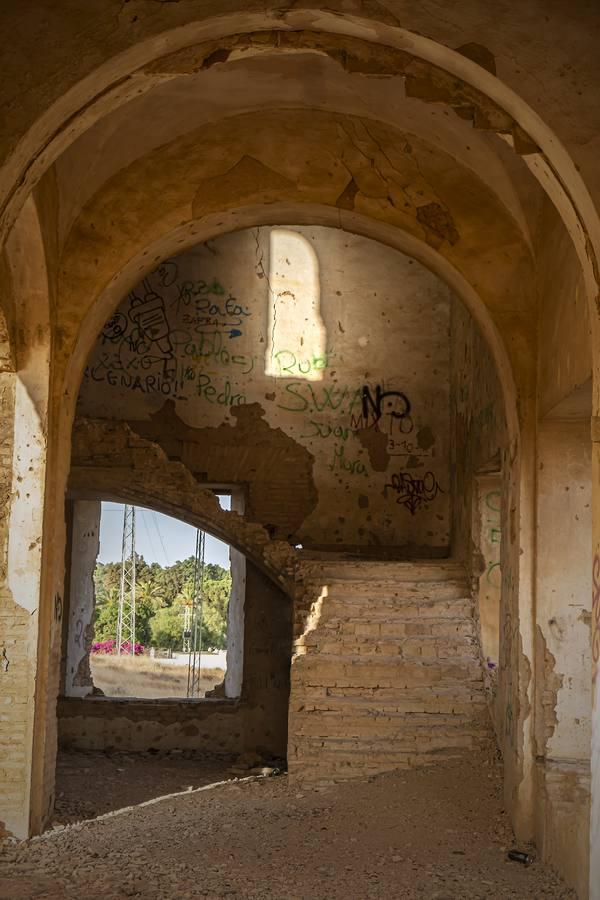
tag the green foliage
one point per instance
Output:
(161, 596)
(167, 627)
(214, 608)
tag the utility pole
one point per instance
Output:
(195, 657)
(126, 620)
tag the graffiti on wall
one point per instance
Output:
(492, 537)
(191, 339)
(142, 351)
(414, 493)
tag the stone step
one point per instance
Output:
(406, 647)
(339, 587)
(389, 671)
(353, 751)
(472, 716)
(377, 717)
(388, 674)
(405, 606)
(432, 616)
(386, 629)
(382, 570)
(417, 720)
(333, 772)
(450, 699)
(314, 730)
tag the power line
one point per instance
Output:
(150, 541)
(155, 520)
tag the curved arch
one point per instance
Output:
(196, 232)
(108, 86)
(92, 477)
(227, 530)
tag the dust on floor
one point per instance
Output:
(437, 833)
(90, 783)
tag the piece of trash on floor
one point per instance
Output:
(520, 856)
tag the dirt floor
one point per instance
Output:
(436, 833)
(91, 783)
(141, 676)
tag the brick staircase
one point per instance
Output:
(386, 672)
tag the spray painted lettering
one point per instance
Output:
(414, 493)
(342, 464)
(301, 396)
(288, 365)
(224, 397)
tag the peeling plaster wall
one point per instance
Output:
(84, 551)
(563, 647)
(24, 412)
(307, 364)
(478, 421)
(487, 538)
(234, 673)
(480, 445)
(17, 643)
(565, 339)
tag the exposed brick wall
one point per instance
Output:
(104, 723)
(386, 672)
(17, 651)
(276, 470)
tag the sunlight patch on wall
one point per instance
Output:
(296, 343)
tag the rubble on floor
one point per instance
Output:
(438, 833)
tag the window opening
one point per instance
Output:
(161, 618)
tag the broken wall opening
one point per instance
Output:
(175, 742)
(182, 616)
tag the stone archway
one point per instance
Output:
(552, 166)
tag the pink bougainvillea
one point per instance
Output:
(110, 646)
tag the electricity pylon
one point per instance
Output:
(195, 657)
(187, 627)
(126, 620)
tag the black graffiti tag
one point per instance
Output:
(394, 403)
(414, 493)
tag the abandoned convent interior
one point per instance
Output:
(300, 449)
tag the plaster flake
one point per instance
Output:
(550, 684)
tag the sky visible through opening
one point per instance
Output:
(158, 538)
